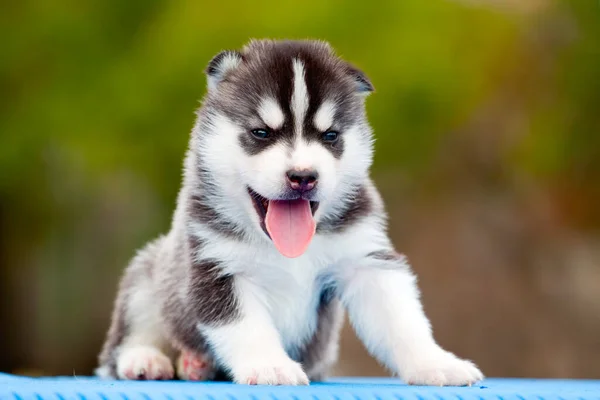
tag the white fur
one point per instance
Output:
(145, 323)
(299, 96)
(384, 307)
(350, 170)
(271, 114)
(323, 119)
(282, 284)
(252, 346)
(229, 164)
(145, 361)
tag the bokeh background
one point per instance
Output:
(487, 118)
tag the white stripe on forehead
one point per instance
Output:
(299, 96)
(324, 116)
(271, 114)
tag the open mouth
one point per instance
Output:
(289, 223)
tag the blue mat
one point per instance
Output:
(21, 388)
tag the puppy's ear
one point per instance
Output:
(220, 65)
(363, 83)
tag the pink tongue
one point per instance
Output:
(290, 225)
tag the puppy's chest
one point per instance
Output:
(292, 293)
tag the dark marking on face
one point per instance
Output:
(336, 148)
(266, 71)
(330, 84)
(355, 210)
(253, 146)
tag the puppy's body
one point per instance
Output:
(277, 226)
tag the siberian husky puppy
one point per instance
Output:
(278, 229)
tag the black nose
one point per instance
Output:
(302, 180)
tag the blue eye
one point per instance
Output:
(330, 136)
(260, 133)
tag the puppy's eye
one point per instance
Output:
(330, 136)
(261, 133)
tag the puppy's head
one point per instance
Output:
(283, 129)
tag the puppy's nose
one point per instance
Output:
(302, 180)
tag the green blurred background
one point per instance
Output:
(487, 118)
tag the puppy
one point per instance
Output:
(278, 229)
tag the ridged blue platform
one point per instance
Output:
(21, 388)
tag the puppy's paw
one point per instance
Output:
(270, 371)
(193, 366)
(144, 363)
(441, 368)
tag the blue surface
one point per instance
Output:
(21, 388)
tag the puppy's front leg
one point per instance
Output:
(383, 304)
(250, 346)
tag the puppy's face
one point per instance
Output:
(287, 133)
